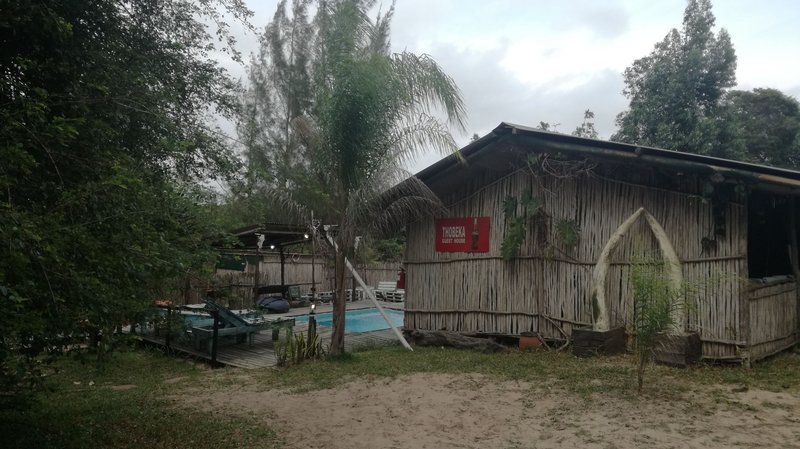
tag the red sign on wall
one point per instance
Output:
(462, 235)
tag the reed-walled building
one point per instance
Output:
(540, 229)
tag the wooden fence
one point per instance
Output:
(238, 286)
(773, 317)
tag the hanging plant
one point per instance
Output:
(516, 225)
(568, 231)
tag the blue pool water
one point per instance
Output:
(363, 320)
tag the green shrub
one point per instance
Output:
(656, 301)
(293, 349)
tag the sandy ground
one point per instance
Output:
(472, 411)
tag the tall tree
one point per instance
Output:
(767, 124)
(104, 145)
(674, 92)
(279, 90)
(374, 111)
(586, 129)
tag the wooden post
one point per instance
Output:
(371, 295)
(744, 291)
(312, 331)
(283, 263)
(169, 327)
(313, 268)
(353, 286)
(215, 315)
(313, 258)
(256, 278)
(793, 257)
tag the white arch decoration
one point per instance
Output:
(602, 320)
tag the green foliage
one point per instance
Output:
(585, 376)
(105, 147)
(371, 113)
(768, 126)
(84, 406)
(388, 249)
(516, 225)
(675, 91)
(293, 349)
(569, 233)
(679, 100)
(515, 235)
(67, 415)
(587, 129)
(510, 207)
(280, 89)
(656, 301)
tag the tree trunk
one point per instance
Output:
(453, 340)
(640, 371)
(339, 307)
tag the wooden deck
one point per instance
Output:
(261, 354)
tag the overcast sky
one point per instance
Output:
(545, 60)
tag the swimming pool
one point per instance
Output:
(364, 320)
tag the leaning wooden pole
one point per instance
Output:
(371, 294)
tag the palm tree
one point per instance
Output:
(374, 112)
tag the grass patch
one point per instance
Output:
(777, 373)
(580, 375)
(584, 376)
(83, 407)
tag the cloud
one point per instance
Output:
(604, 20)
(526, 62)
(794, 91)
(493, 94)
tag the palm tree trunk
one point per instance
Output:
(339, 306)
(640, 371)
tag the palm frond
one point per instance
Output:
(428, 86)
(373, 113)
(416, 134)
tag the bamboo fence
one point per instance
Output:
(773, 318)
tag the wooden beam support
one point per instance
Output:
(283, 266)
(794, 254)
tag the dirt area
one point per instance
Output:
(473, 411)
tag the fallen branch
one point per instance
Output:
(454, 340)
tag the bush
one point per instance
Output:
(293, 349)
(656, 300)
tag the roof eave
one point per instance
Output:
(759, 173)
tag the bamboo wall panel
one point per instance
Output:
(546, 289)
(773, 318)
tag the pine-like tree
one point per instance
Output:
(280, 90)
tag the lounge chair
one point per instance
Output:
(230, 325)
(233, 325)
(388, 291)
